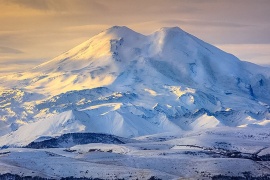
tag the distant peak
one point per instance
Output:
(175, 28)
(171, 30)
(115, 28)
(120, 31)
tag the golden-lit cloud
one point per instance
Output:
(39, 30)
(7, 50)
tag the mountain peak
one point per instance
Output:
(167, 31)
(174, 28)
(120, 31)
(118, 28)
(128, 84)
(171, 35)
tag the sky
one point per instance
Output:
(34, 31)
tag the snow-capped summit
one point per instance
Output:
(120, 32)
(125, 83)
(104, 45)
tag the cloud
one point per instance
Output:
(9, 60)
(40, 4)
(12, 68)
(8, 50)
(205, 23)
(12, 64)
(89, 27)
(58, 6)
(256, 53)
(9, 65)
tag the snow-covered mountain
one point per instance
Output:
(124, 83)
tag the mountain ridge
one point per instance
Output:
(89, 57)
(124, 83)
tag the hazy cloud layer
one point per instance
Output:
(4, 50)
(259, 52)
(42, 29)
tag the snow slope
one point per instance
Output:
(124, 83)
(235, 153)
